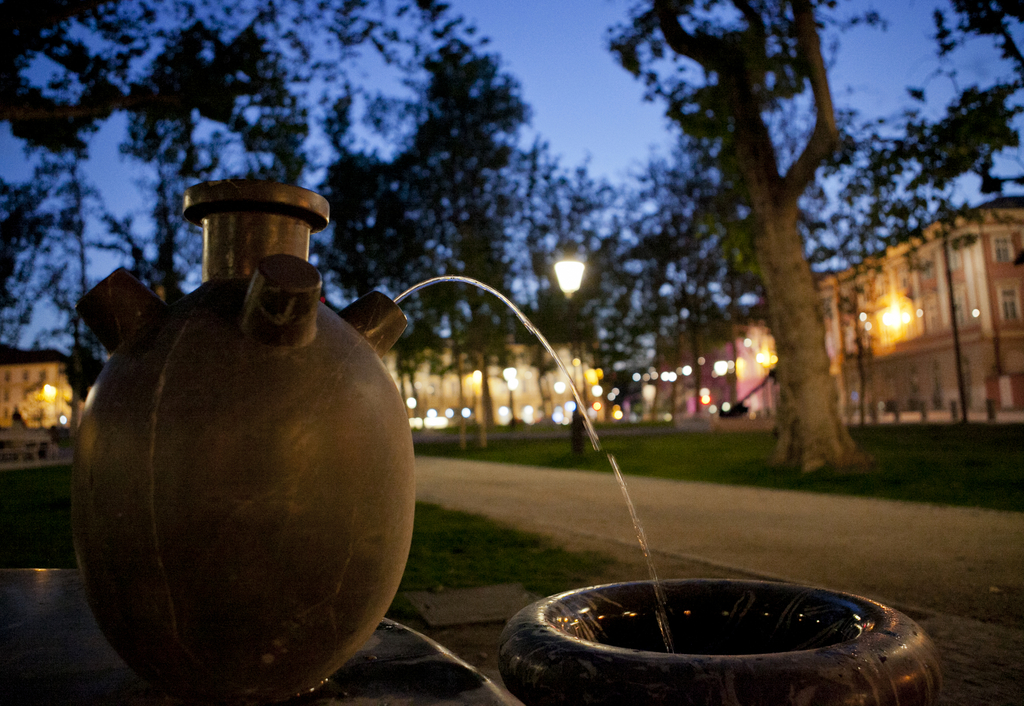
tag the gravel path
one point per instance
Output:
(958, 571)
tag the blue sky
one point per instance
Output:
(585, 104)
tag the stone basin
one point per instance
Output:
(736, 642)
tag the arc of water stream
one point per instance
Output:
(659, 590)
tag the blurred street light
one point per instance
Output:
(570, 275)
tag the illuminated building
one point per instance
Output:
(890, 323)
(35, 384)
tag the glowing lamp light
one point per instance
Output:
(513, 384)
(509, 374)
(975, 313)
(617, 414)
(890, 319)
(467, 413)
(863, 316)
(559, 387)
(597, 390)
(431, 413)
(450, 413)
(920, 313)
(687, 370)
(63, 419)
(705, 399)
(905, 317)
(721, 367)
(570, 406)
(597, 406)
(411, 403)
(570, 275)
(636, 377)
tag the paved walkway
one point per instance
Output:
(959, 571)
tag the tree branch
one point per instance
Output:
(753, 17)
(703, 50)
(825, 137)
(58, 111)
(23, 18)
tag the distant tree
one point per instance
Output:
(735, 67)
(441, 205)
(23, 226)
(562, 213)
(682, 279)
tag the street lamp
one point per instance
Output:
(570, 274)
(513, 382)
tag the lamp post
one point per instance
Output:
(570, 274)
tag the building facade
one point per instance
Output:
(897, 326)
(34, 388)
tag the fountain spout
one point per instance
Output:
(119, 307)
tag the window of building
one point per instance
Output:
(1008, 303)
(904, 279)
(7, 376)
(927, 268)
(42, 375)
(955, 261)
(24, 375)
(1003, 248)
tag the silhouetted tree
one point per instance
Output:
(440, 206)
(737, 64)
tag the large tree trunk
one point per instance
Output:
(811, 432)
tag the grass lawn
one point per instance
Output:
(977, 465)
(458, 550)
(449, 549)
(35, 519)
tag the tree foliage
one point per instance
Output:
(208, 89)
(902, 174)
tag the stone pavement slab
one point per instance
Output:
(469, 606)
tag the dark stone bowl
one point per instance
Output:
(736, 642)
